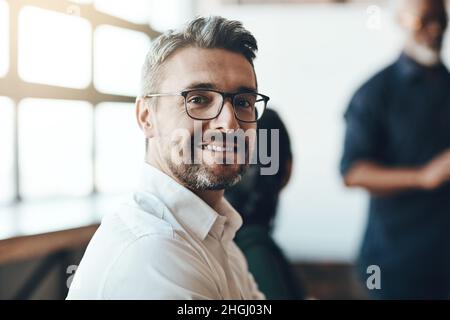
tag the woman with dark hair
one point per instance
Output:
(255, 197)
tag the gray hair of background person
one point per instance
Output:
(203, 32)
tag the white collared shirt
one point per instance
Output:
(166, 243)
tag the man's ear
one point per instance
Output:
(144, 118)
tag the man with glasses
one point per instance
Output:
(174, 240)
(397, 147)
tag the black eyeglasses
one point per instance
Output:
(206, 104)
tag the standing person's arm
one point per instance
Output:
(364, 154)
(383, 180)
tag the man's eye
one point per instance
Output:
(198, 100)
(242, 103)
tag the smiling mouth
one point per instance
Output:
(216, 148)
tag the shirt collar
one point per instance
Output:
(190, 211)
(228, 222)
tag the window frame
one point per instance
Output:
(16, 89)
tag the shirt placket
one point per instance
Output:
(222, 256)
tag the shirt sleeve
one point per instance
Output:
(364, 128)
(160, 268)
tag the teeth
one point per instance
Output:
(219, 148)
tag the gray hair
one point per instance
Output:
(203, 32)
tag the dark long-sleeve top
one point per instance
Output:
(401, 118)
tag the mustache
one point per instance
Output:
(220, 138)
(240, 145)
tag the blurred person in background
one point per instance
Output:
(256, 198)
(174, 239)
(397, 148)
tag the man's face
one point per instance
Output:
(427, 21)
(192, 68)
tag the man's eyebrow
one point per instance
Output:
(205, 85)
(202, 85)
(246, 89)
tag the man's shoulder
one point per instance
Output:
(375, 92)
(144, 222)
(136, 221)
(127, 241)
(131, 223)
(378, 82)
(149, 259)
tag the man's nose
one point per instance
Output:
(226, 118)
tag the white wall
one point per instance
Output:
(311, 60)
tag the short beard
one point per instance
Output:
(200, 177)
(421, 53)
